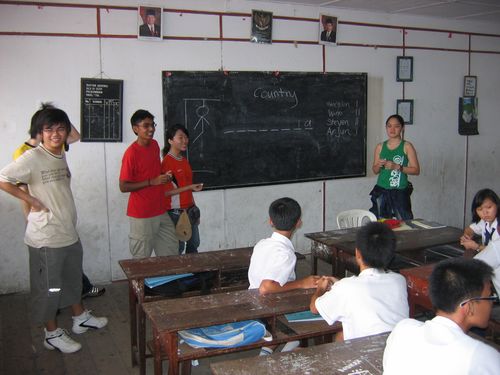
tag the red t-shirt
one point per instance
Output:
(183, 176)
(141, 163)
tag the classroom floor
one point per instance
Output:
(105, 352)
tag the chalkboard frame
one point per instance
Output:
(115, 91)
(361, 89)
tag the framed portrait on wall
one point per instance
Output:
(149, 23)
(327, 29)
(405, 110)
(404, 69)
(262, 27)
(470, 85)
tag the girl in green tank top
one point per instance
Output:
(393, 161)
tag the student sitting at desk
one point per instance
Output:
(373, 302)
(460, 291)
(272, 265)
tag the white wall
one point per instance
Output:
(41, 68)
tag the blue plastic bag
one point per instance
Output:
(228, 335)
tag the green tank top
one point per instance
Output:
(390, 178)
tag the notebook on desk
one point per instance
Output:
(303, 316)
(424, 224)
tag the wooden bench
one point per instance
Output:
(168, 317)
(360, 356)
(222, 262)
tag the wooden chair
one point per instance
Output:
(354, 218)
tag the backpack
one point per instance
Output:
(230, 335)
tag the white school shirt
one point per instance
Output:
(273, 259)
(438, 346)
(48, 178)
(371, 303)
(480, 227)
(491, 256)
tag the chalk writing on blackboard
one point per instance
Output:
(101, 110)
(256, 128)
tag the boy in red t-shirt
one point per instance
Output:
(150, 226)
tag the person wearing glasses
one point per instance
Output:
(150, 226)
(88, 289)
(460, 291)
(55, 250)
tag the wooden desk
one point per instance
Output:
(417, 281)
(137, 270)
(414, 247)
(170, 316)
(358, 356)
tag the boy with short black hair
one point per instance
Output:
(272, 265)
(55, 251)
(140, 174)
(373, 302)
(460, 291)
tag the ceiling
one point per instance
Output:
(473, 10)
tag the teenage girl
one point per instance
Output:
(394, 160)
(179, 194)
(484, 220)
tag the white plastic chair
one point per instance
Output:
(354, 218)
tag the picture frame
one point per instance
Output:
(101, 110)
(404, 108)
(149, 23)
(262, 27)
(328, 29)
(470, 86)
(404, 69)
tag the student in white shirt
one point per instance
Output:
(272, 265)
(460, 291)
(372, 302)
(485, 216)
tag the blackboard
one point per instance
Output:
(101, 110)
(257, 128)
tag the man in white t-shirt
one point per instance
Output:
(55, 251)
(272, 265)
(460, 291)
(373, 302)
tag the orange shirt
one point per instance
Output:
(182, 176)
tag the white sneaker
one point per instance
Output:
(60, 340)
(86, 320)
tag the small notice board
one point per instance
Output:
(101, 110)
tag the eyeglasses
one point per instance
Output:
(148, 126)
(493, 298)
(59, 129)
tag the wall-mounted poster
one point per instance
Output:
(149, 22)
(262, 27)
(405, 110)
(467, 116)
(470, 85)
(404, 69)
(101, 110)
(327, 29)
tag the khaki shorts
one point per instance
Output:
(154, 233)
(55, 279)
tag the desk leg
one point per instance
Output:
(141, 329)
(157, 355)
(314, 260)
(338, 266)
(132, 303)
(169, 341)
